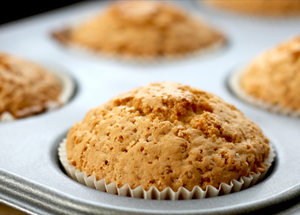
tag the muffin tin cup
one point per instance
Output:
(68, 87)
(234, 85)
(167, 194)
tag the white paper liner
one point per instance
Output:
(81, 50)
(234, 84)
(68, 87)
(153, 193)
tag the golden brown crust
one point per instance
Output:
(62, 36)
(143, 28)
(26, 88)
(259, 7)
(167, 135)
(274, 76)
(6, 210)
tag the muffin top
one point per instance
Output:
(143, 28)
(26, 88)
(259, 7)
(167, 135)
(274, 76)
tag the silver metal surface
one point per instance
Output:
(30, 175)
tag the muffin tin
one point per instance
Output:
(31, 177)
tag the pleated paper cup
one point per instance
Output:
(234, 84)
(68, 87)
(90, 53)
(153, 193)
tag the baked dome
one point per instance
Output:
(167, 135)
(274, 76)
(143, 28)
(259, 7)
(26, 89)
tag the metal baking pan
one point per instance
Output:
(31, 178)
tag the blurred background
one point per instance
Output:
(28, 8)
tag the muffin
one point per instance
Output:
(142, 29)
(9, 210)
(259, 7)
(26, 88)
(274, 78)
(166, 135)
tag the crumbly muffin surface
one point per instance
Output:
(259, 7)
(144, 28)
(274, 76)
(25, 88)
(167, 135)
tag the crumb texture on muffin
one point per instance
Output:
(143, 28)
(259, 7)
(25, 88)
(167, 135)
(274, 76)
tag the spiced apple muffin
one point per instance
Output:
(26, 88)
(167, 135)
(259, 7)
(146, 29)
(274, 76)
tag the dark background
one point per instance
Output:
(14, 10)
